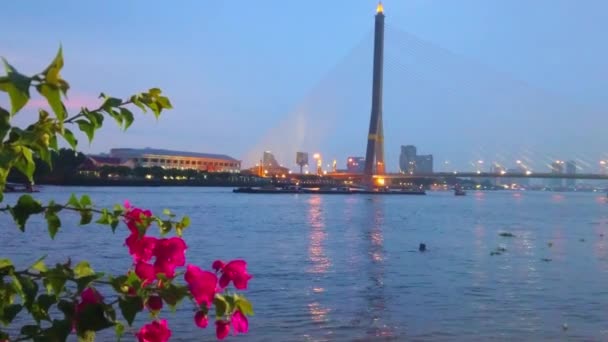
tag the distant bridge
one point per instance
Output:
(435, 175)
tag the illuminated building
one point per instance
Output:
(411, 163)
(268, 160)
(355, 164)
(167, 159)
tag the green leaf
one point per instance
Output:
(164, 102)
(9, 313)
(39, 265)
(136, 99)
(66, 307)
(74, 202)
(53, 222)
(116, 115)
(70, 138)
(221, 306)
(129, 307)
(26, 288)
(86, 336)
(114, 225)
(85, 201)
(119, 328)
(104, 218)
(84, 282)
(30, 330)
(55, 280)
(51, 73)
(110, 102)
(4, 263)
(17, 86)
(244, 305)
(92, 318)
(53, 97)
(59, 331)
(173, 294)
(5, 123)
(86, 216)
(154, 92)
(185, 222)
(25, 162)
(83, 269)
(87, 128)
(127, 117)
(45, 301)
(118, 283)
(26, 206)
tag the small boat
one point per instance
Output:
(294, 189)
(326, 191)
(20, 188)
(458, 191)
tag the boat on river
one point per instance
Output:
(326, 191)
(458, 191)
(20, 188)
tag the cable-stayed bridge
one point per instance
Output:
(454, 107)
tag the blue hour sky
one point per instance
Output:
(464, 80)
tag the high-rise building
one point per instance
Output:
(423, 164)
(411, 163)
(407, 159)
(355, 164)
(571, 170)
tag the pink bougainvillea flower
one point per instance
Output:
(154, 303)
(134, 217)
(145, 272)
(235, 271)
(141, 248)
(222, 329)
(87, 297)
(127, 205)
(201, 320)
(217, 265)
(202, 284)
(239, 322)
(157, 331)
(169, 253)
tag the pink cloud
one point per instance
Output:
(74, 101)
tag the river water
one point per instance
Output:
(347, 267)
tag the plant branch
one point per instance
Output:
(100, 108)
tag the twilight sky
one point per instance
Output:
(464, 80)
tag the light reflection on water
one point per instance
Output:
(320, 263)
(344, 268)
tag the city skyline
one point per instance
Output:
(212, 92)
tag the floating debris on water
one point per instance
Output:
(564, 326)
(550, 244)
(506, 234)
(422, 247)
(498, 251)
(581, 240)
(545, 259)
